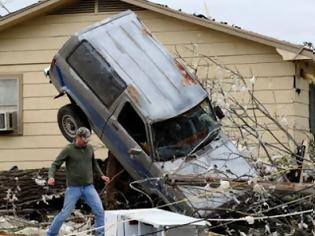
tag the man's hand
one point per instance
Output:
(51, 181)
(105, 179)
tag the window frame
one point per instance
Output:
(148, 137)
(19, 105)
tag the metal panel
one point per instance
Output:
(158, 217)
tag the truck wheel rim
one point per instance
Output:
(69, 125)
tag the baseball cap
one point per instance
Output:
(83, 132)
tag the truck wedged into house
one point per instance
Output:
(149, 111)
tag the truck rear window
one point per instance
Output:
(96, 72)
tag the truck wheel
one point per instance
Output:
(70, 118)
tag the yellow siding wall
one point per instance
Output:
(29, 47)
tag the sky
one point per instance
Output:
(289, 20)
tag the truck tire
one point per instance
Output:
(70, 117)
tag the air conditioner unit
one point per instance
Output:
(7, 120)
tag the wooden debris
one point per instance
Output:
(303, 188)
(23, 188)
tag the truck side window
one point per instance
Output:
(134, 125)
(95, 71)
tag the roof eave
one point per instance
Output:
(269, 41)
(49, 5)
(30, 12)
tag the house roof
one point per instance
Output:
(31, 11)
(289, 50)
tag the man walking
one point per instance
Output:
(80, 164)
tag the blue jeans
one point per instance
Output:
(72, 195)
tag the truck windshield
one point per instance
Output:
(184, 134)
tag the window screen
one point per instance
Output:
(8, 92)
(96, 73)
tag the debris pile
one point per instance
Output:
(26, 192)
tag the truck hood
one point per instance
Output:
(219, 159)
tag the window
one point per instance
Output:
(10, 104)
(8, 91)
(95, 71)
(134, 125)
(186, 133)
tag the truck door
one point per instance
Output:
(129, 143)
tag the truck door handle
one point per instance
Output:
(135, 151)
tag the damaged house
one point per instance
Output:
(152, 98)
(30, 37)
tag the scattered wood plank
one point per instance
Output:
(22, 188)
(285, 187)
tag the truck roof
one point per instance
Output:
(156, 81)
